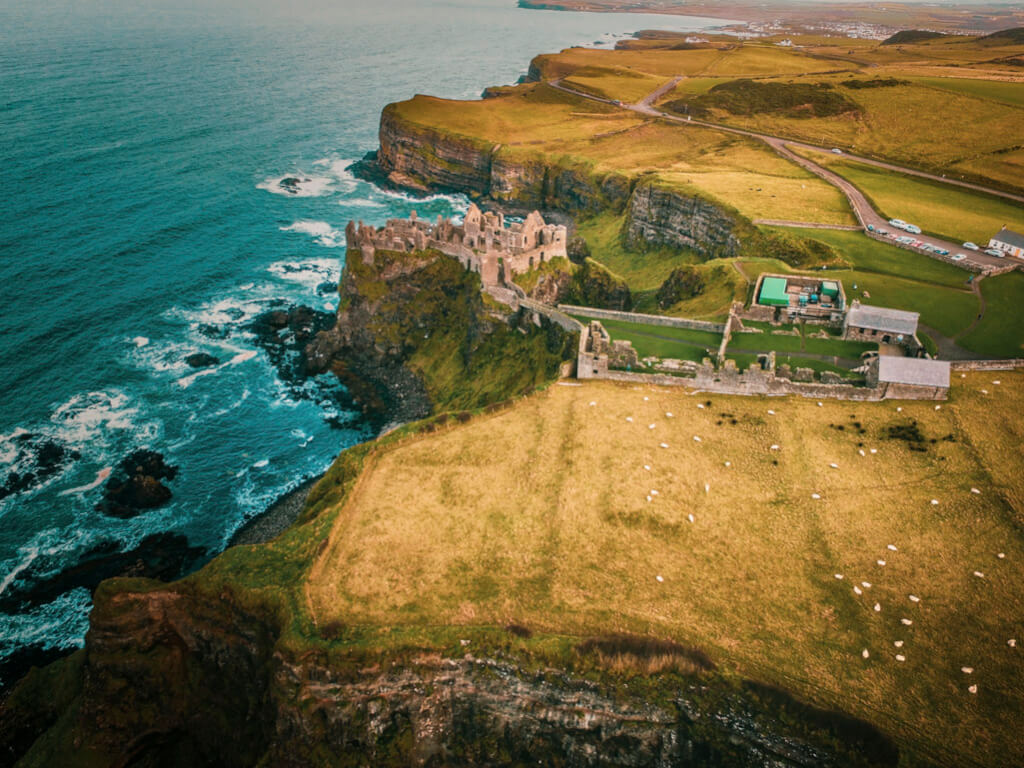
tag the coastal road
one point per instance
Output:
(865, 213)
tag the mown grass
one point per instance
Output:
(1001, 331)
(664, 342)
(559, 537)
(767, 342)
(953, 213)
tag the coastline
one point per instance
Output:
(269, 523)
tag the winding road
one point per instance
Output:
(868, 217)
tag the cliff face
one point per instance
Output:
(660, 216)
(173, 676)
(422, 158)
(413, 335)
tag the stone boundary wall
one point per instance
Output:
(636, 317)
(743, 386)
(986, 365)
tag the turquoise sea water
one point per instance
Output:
(141, 147)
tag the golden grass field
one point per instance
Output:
(742, 172)
(961, 111)
(539, 514)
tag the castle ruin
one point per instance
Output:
(485, 243)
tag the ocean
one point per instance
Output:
(143, 221)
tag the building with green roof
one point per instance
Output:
(773, 292)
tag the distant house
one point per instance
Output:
(910, 378)
(1009, 242)
(787, 43)
(880, 324)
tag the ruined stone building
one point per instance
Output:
(485, 243)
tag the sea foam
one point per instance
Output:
(321, 231)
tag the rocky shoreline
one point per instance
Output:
(269, 523)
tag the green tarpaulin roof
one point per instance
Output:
(773, 292)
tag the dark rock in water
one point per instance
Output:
(327, 288)
(291, 184)
(285, 334)
(276, 318)
(136, 485)
(37, 459)
(214, 331)
(202, 360)
(164, 556)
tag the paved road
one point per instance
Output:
(865, 213)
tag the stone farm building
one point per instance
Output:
(881, 325)
(485, 243)
(1009, 242)
(910, 378)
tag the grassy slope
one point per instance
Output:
(558, 536)
(1001, 331)
(950, 212)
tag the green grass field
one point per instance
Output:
(663, 342)
(892, 277)
(1001, 330)
(994, 90)
(805, 343)
(560, 537)
(950, 212)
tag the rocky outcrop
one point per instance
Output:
(136, 485)
(172, 676)
(660, 216)
(425, 159)
(413, 336)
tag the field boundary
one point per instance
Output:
(642, 319)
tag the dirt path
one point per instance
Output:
(806, 225)
(976, 289)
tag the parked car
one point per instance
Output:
(836, 151)
(898, 223)
(882, 231)
(917, 243)
(871, 227)
(995, 252)
(970, 246)
(942, 252)
(927, 247)
(959, 256)
(913, 229)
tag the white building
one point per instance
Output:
(1009, 242)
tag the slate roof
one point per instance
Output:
(1008, 236)
(883, 319)
(913, 370)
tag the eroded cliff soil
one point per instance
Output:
(180, 676)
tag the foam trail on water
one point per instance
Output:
(321, 231)
(33, 553)
(102, 475)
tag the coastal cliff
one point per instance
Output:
(422, 158)
(427, 159)
(414, 336)
(199, 674)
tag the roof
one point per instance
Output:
(882, 319)
(1010, 237)
(913, 370)
(773, 291)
